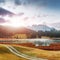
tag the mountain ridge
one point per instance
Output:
(40, 27)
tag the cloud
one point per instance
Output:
(26, 2)
(26, 18)
(31, 11)
(20, 14)
(35, 3)
(17, 2)
(2, 1)
(2, 20)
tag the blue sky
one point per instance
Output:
(35, 11)
(53, 5)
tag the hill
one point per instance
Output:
(5, 54)
(7, 31)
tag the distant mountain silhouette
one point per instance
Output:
(40, 27)
(56, 25)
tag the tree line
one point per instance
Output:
(52, 33)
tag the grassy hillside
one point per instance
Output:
(5, 54)
(50, 55)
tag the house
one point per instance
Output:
(20, 36)
(45, 37)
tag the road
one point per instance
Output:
(18, 53)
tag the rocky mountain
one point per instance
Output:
(40, 27)
(56, 25)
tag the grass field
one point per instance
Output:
(50, 55)
(5, 54)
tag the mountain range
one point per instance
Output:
(56, 25)
(40, 27)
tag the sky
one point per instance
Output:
(30, 12)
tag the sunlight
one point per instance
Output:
(16, 21)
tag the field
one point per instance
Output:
(50, 55)
(5, 54)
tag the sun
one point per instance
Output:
(16, 21)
